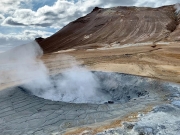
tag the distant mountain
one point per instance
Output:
(120, 25)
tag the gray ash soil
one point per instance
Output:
(122, 87)
(22, 113)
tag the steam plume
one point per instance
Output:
(177, 7)
(75, 84)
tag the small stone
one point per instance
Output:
(110, 102)
(128, 126)
(176, 103)
(145, 131)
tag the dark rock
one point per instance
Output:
(162, 127)
(39, 39)
(96, 8)
(128, 126)
(163, 108)
(146, 130)
(111, 102)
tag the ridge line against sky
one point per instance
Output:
(23, 20)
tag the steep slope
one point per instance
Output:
(175, 35)
(120, 25)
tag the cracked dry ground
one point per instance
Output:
(21, 113)
(25, 114)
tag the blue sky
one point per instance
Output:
(23, 20)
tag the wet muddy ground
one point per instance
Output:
(136, 105)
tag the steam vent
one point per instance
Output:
(125, 98)
(115, 71)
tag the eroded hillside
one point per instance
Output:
(120, 25)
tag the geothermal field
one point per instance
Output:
(115, 71)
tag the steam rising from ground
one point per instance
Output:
(21, 64)
(75, 84)
(177, 7)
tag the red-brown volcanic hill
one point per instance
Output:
(120, 24)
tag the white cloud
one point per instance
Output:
(34, 34)
(2, 17)
(56, 16)
(10, 40)
(53, 16)
(64, 11)
(9, 6)
(155, 3)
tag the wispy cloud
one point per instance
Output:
(7, 41)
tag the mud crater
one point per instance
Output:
(122, 87)
(113, 88)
